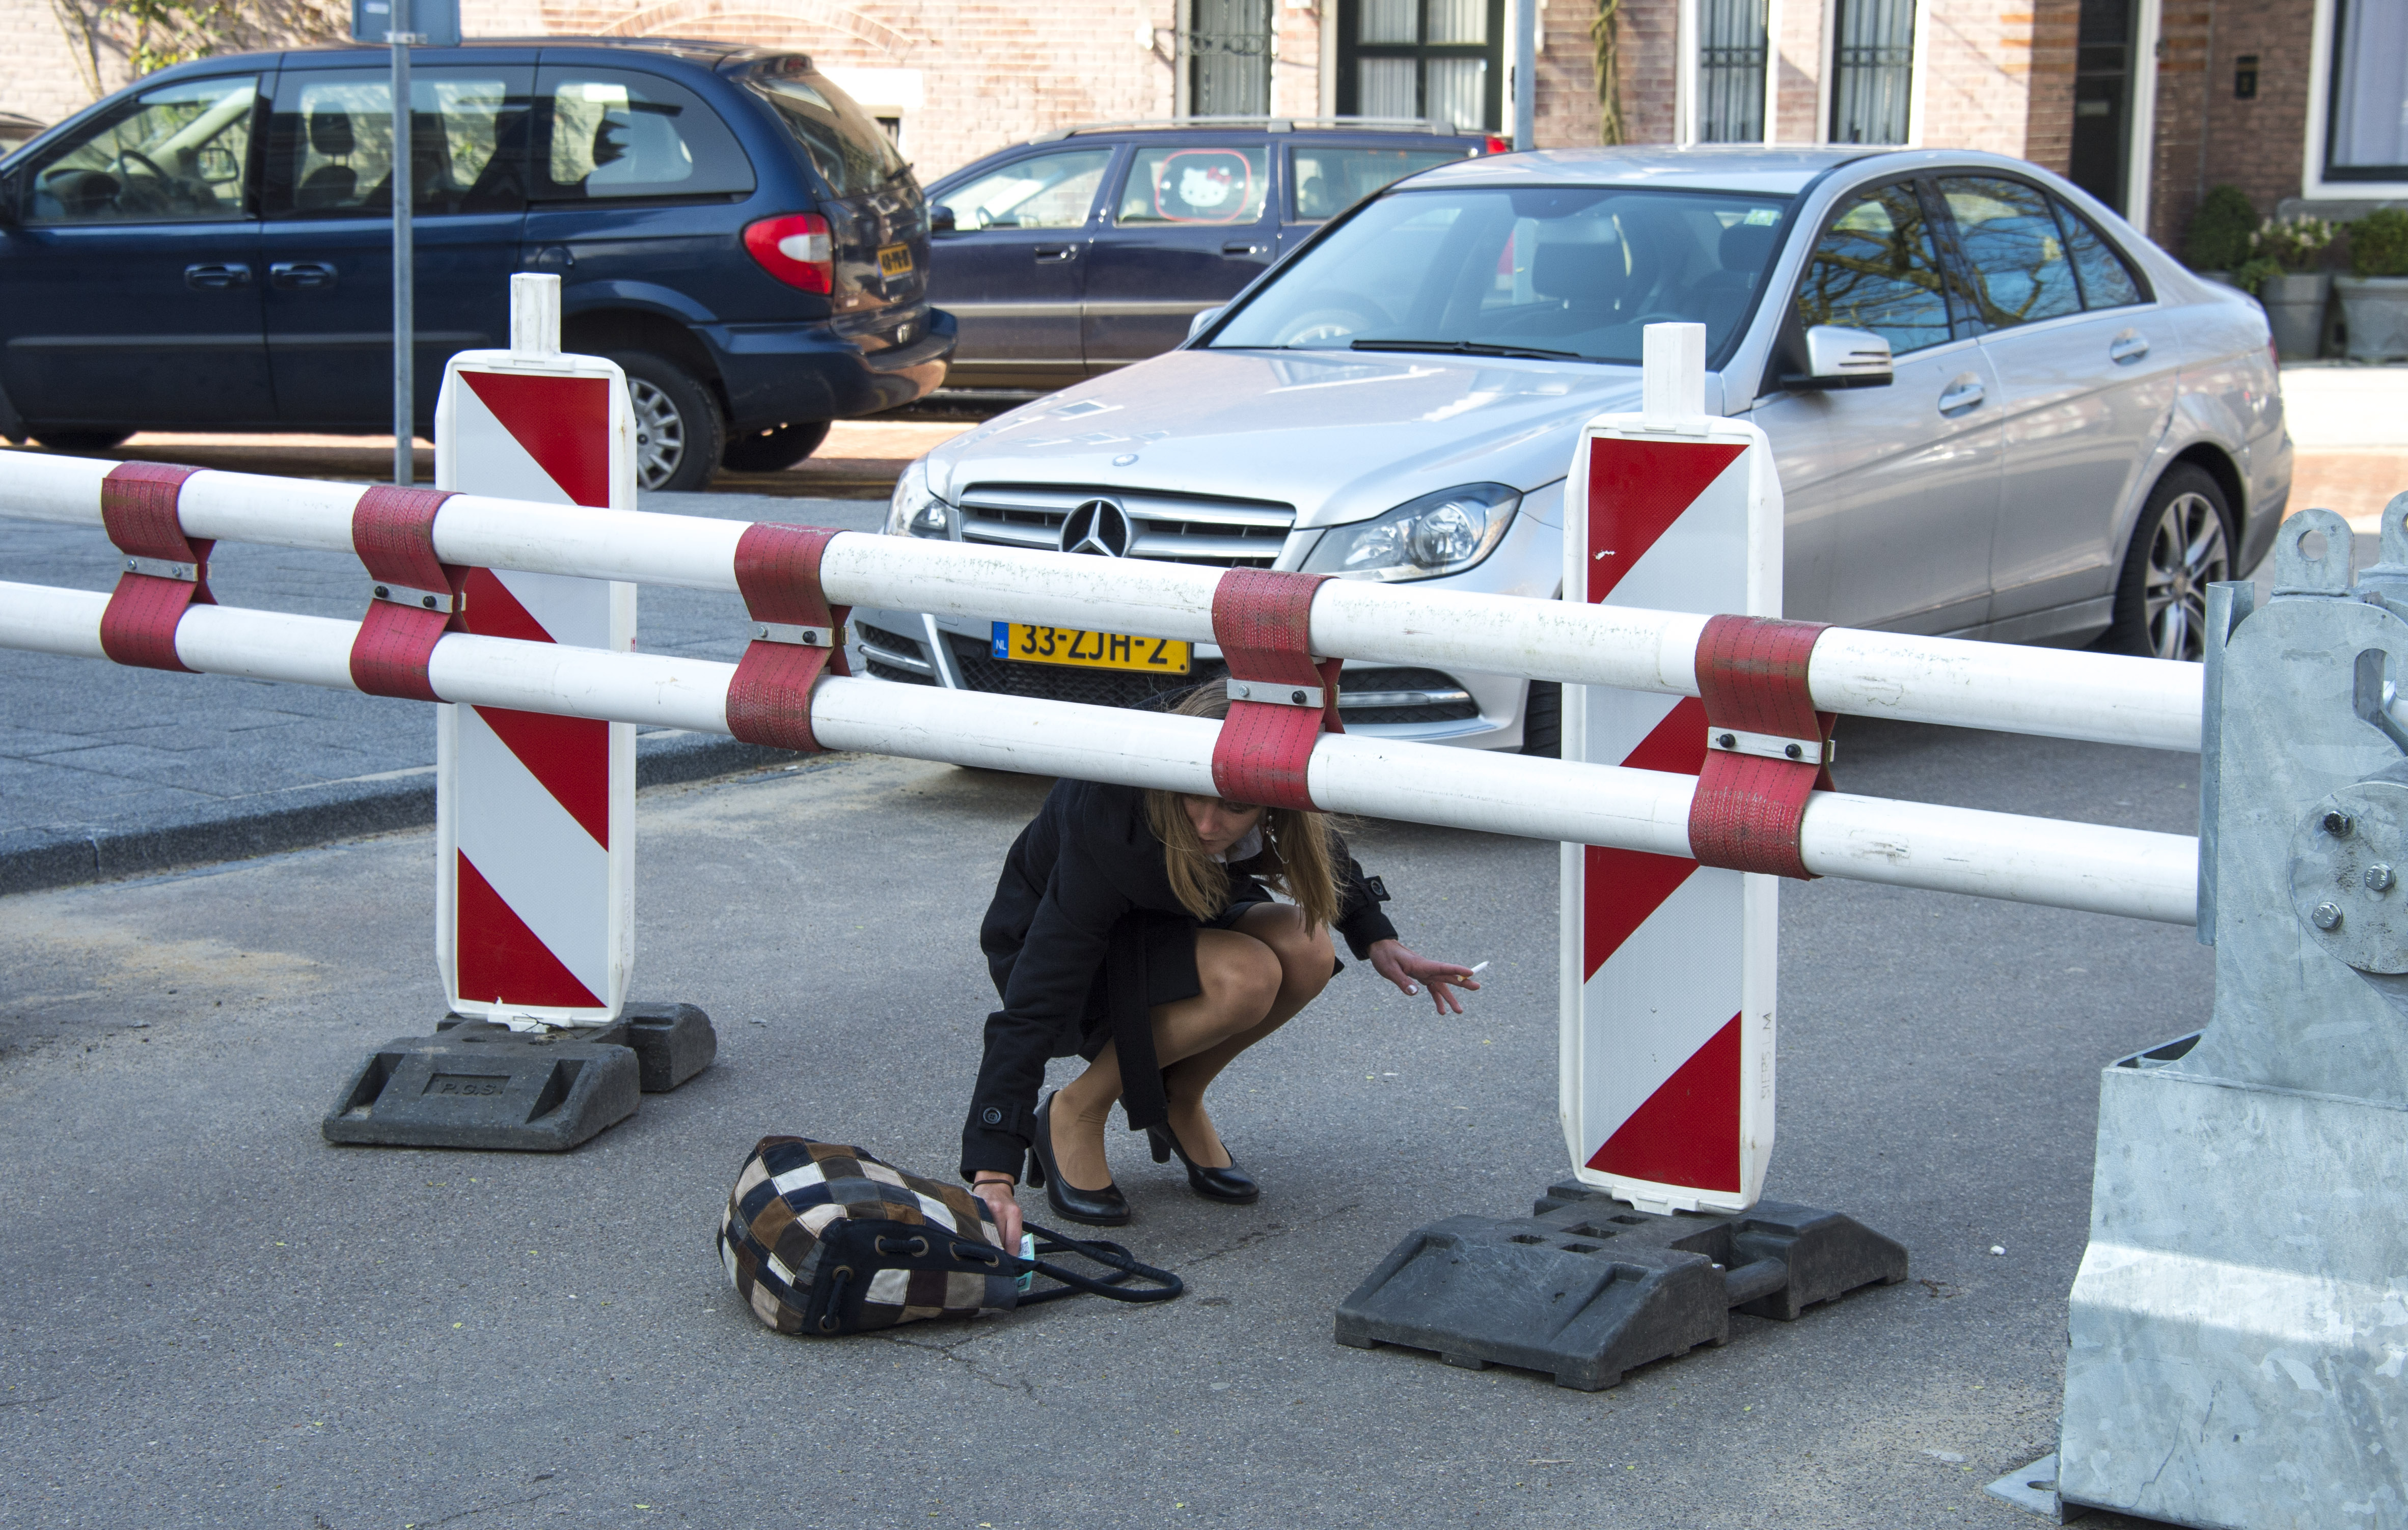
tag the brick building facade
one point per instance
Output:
(2148, 102)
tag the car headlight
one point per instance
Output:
(915, 510)
(1444, 532)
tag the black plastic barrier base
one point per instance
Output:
(1585, 1288)
(475, 1084)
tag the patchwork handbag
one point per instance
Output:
(825, 1240)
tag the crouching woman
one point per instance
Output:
(1136, 929)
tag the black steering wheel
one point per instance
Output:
(144, 160)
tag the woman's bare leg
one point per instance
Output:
(1306, 961)
(1244, 980)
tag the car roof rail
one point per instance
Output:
(1269, 124)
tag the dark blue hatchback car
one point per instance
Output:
(212, 249)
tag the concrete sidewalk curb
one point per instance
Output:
(67, 855)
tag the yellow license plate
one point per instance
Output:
(895, 260)
(1089, 650)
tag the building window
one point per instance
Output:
(1434, 59)
(1229, 58)
(1872, 70)
(1732, 47)
(2367, 132)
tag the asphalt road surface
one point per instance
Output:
(210, 1317)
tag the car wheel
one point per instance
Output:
(82, 440)
(1543, 720)
(772, 449)
(2182, 545)
(678, 437)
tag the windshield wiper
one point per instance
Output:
(1467, 348)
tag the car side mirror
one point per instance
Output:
(1203, 320)
(1839, 357)
(940, 219)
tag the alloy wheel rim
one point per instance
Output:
(660, 434)
(2187, 554)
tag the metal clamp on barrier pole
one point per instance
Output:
(415, 597)
(1766, 747)
(166, 573)
(796, 635)
(1281, 699)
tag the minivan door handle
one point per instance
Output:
(1056, 253)
(216, 277)
(301, 276)
(1963, 394)
(2130, 346)
(1242, 249)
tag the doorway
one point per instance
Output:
(2102, 100)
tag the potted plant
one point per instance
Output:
(2375, 295)
(2218, 239)
(2284, 273)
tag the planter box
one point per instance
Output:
(2295, 311)
(2376, 311)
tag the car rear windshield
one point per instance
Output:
(846, 146)
(1577, 271)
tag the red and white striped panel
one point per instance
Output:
(535, 908)
(1668, 1039)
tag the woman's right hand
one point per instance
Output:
(997, 1196)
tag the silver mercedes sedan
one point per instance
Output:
(1997, 410)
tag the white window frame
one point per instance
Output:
(2140, 153)
(2312, 184)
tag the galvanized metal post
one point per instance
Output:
(405, 326)
(2236, 1326)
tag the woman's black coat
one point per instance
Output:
(1084, 879)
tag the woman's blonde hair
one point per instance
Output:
(1296, 857)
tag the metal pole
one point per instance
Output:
(1526, 74)
(405, 382)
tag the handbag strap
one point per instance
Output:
(1124, 1265)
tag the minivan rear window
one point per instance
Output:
(846, 146)
(621, 133)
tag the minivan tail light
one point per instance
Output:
(1497, 145)
(796, 249)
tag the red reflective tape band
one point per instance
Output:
(393, 531)
(137, 507)
(778, 573)
(1748, 807)
(1262, 619)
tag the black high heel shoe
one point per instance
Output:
(1104, 1207)
(1233, 1184)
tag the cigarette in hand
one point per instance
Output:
(1481, 969)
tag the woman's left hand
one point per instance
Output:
(1410, 972)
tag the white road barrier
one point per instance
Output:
(2049, 861)
(2102, 698)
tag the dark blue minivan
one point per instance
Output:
(211, 248)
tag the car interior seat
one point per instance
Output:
(1720, 296)
(1314, 197)
(334, 184)
(1595, 281)
(498, 186)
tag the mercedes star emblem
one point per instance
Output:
(1100, 526)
